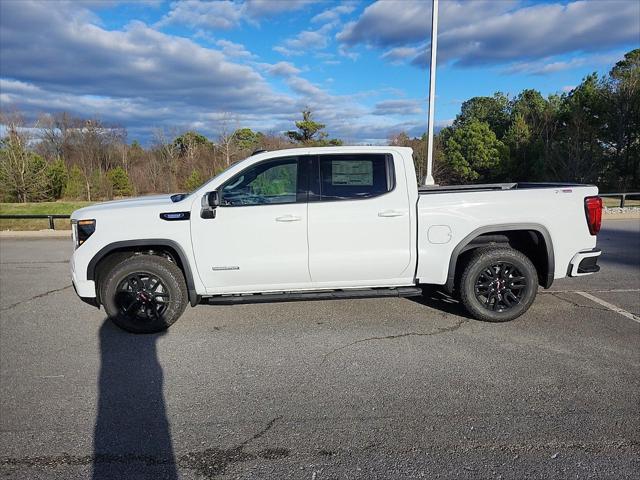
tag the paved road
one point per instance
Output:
(357, 389)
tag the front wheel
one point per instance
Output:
(144, 294)
(498, 284)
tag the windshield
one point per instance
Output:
(181, 196)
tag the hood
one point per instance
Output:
(137, 202)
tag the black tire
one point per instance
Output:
(498, 284)
(144, 293)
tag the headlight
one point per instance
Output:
(82, 230)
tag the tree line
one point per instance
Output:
(590, 134)
(62, 156)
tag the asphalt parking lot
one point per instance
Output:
(346, 389)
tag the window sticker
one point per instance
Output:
(352, 172)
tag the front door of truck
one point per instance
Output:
(258, 238)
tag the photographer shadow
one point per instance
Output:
(132, 435)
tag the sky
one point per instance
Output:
(360, 66)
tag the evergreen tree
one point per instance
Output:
(193, 181)
(474, 153)
(119, 182)
(75, 187)
(311, 132)
(58, 176)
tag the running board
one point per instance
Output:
(313, 295)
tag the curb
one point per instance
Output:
(35, 234)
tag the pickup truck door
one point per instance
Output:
(258, 238)
(359, 221)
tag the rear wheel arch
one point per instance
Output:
(532, 239)
(112, 254)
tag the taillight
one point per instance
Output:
(593, 211)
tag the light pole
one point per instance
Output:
(432, 92)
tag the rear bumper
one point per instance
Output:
(585, 263)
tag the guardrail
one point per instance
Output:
(51, 217)
(622, 196)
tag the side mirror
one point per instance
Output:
(210, 201)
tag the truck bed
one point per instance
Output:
(426, 190)
(445, 221)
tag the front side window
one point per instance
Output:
(266, 183)
(347, 177)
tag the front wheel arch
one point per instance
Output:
(106, 256)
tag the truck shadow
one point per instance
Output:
(439, 300)
(132, 430)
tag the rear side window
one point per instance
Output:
(347, 177)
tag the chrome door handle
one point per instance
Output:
(391, 213)
(288, 218)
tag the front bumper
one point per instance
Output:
(585, 263)
(93, 301)
(84, 288)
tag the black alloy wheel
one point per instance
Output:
(144, 293)
(500, 286)
(142, 296)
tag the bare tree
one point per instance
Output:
(227, 126)
(164, 163)
(22, 173)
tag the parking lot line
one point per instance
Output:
(610, 306)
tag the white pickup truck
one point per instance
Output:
(325, 223)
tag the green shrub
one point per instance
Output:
(194, 181)
(57, 175)
(119, 182)
(75, 187)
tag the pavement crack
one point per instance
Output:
(212, 462)
(575, 304)
(261, 432)
(438, 331)
(40, 295)
(207, 463)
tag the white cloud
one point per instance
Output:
(223, 14)
(399, 54)
(305, 41)
(281, 69)
(77, 66)
(399, 107)
(142, 78)
(226, 14)
(267, 8)
(233, 50)
(548, 65)
(388, 23)
(333, 14)
(499, 32)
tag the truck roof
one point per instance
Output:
(334, 150)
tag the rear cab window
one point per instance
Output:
(353, 176)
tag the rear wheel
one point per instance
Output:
(498, 284)
(144, 294)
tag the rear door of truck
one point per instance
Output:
(359, 221)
